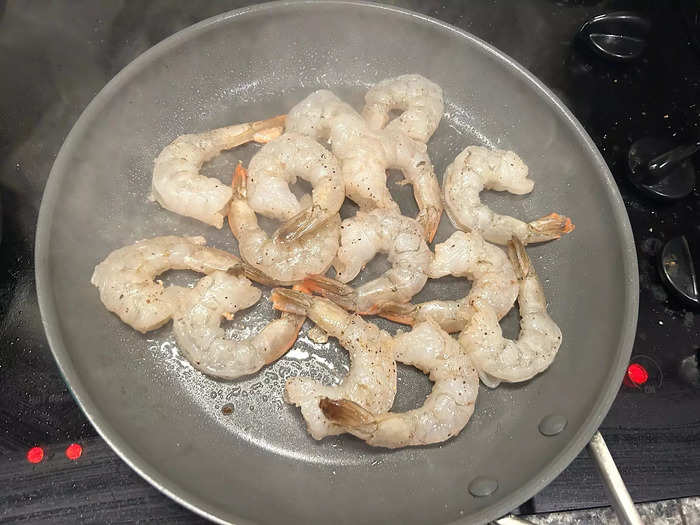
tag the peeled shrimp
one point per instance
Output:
(499, 359)
(317, 114)
(177, 185)
(282, 261)
(202, 340)
(478, 168)
(125, 279)
(279, 163)
(371, 382)
(418, 98)
(365, 155)
(361, 238)
(445, 411)
(411, 157)
(464, 255)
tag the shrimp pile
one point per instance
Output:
(127, 286)
(463, 255)
(362, 237)
(342, 152)
(365, 156)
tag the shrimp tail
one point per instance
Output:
(261, 277)
(291, 301)
(519, 258)
(305, 222)
(270, 129)
(237, 269)
(340, 293)
(549, 227)
(238, 184)
(345, 412)
(260, 131)
(403, 313)
(429, 219)
(295, 321)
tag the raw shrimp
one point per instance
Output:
(365, 156)
(200, 337)
(282, 261)
(411, 157)
(177, 185)
(463, 255)
(279, 163)
(125, 279)
(371, 381)
(361, 238)
(319, 116)
(445, 411)
(499, 359)
(478, 168)
(418, 98)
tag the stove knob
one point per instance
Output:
(620, 36)
(679, 266)
(661, 170)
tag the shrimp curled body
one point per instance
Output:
(202, 340)
(445, 411)
(371, 381)
(419, 99)
(500, 359)
(478, 168)
(282, 261)
(279, 163)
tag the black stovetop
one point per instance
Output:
(55, 56)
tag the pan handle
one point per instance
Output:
(617, 492)
(615, 487)
(510, 519)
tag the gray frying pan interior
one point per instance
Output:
(257, 464)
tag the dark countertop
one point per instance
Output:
(56, 55)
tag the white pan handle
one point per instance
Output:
(617, 492)
(510, 519)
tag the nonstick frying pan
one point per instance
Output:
(232, 450)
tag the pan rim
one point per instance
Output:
(181, 495)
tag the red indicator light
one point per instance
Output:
(35, 454)
(637, 374)
(74, 451)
